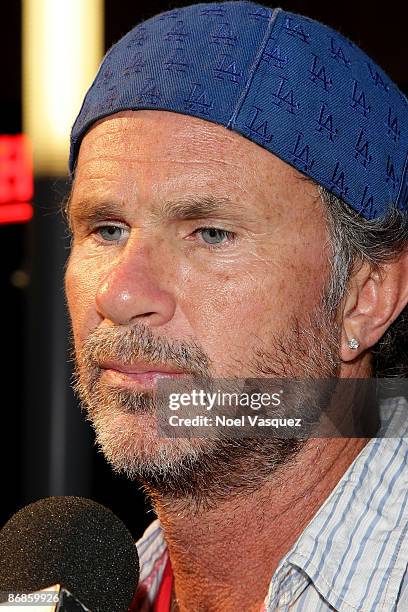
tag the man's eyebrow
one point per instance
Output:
(196, 207)
(191, 207)
(92, 210)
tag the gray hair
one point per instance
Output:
(354, 241)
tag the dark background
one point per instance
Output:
(381, 30)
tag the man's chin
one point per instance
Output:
(132, 444)
(194, 472)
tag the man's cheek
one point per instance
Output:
(80, 288)
(83, 276)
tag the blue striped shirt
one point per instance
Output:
(353, 555)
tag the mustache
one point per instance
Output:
(130, 345)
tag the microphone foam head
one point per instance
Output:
(75, 542)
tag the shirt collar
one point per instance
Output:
(354, 550)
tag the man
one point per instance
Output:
(239, 210)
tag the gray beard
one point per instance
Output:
(196, 473)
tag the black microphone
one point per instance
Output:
(74, 542)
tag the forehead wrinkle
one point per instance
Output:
(190, 141)
(130, 157)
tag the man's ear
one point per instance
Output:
(374, 301)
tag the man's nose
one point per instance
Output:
(135, 290)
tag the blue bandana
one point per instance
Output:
(288, 83)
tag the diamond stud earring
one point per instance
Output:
(353, 344)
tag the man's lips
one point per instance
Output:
(139, 368)
(140, 374)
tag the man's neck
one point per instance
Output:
(223, 558)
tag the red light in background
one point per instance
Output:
(16, 212)
(16, 179)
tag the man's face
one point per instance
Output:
(147, 281)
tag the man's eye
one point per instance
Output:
(110, 233)
(214, 236)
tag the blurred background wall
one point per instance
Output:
(46, 446)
